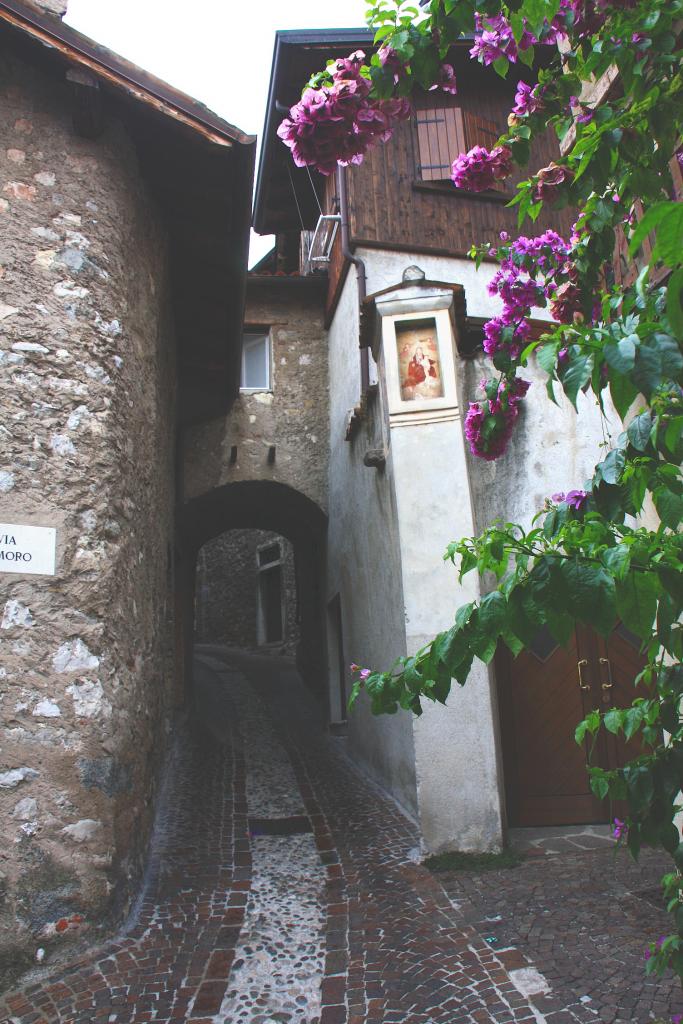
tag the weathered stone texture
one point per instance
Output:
(227, 587)
(86, 386)
(293, 416)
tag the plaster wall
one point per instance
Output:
(385, 268)
(364, 560)
(292, 415)
(86, 386)
(552, 448)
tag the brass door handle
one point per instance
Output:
(579, 664)
(610, 684)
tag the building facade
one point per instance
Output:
(105, 253)
(405, 309)
(273, 460)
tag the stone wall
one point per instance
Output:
(293, 415)
(226, 604)
(86, 385)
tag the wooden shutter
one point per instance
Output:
(440, 138)
(445, 132)
(481, 132)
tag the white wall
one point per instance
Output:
(364, 561)
(387, 536)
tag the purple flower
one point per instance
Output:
(338, 123)
(566, 302)
(493, 340)
(446, 80)
(364, 673)
(504, 237)
(489, 424)
(677, 1018)
(479, 170)
(493, 41)
(549, 181)
(620, 828)
(575, 500)
(527, 99)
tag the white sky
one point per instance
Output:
(218, 51)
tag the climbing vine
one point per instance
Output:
(588, 556)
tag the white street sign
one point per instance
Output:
(28, 549)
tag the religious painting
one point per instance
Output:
(419, 363)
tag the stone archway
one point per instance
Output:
(263, 505)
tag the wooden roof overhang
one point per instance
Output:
(200, 171)
(286, 195)
(296, 56)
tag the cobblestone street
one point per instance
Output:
(283, 888)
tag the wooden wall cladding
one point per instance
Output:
(391, 206)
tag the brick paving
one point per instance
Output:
(583, 919)
(282, 887)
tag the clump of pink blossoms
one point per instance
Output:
(489, 424)
(478, 170)
(338, 123)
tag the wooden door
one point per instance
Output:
(619, 661)
(543, 694)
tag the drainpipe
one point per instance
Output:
(358, 264)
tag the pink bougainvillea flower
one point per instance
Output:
(391, 62)
(446, 80)
(489, 424)
(550, 180)
(364, 673)
(479, 170)
(566, 302)
(620, 828)
(493, 340)
(354, 667)
(493, 39)
(527, 99)
(338, 123)
(576, 500)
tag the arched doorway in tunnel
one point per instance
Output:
(286, 533)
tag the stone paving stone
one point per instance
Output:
(282, 888)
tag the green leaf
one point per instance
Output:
(647, 372)
(617, 560)
(600, 786)
(614, 720)
(621, 355)
(623, 393)
(669, 239)
(639, 432)
(492, 613)
(632, 720)
(463, 614)
(648, 222)
(674, 303)
(611, 468)
(590, 594)
(577, 374)
(637, 602)
(547, 356)
(669, 507)
(640, 785)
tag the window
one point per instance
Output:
(270, 597)
(255, 363)
(445, 132)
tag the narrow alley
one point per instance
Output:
(283, 887)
